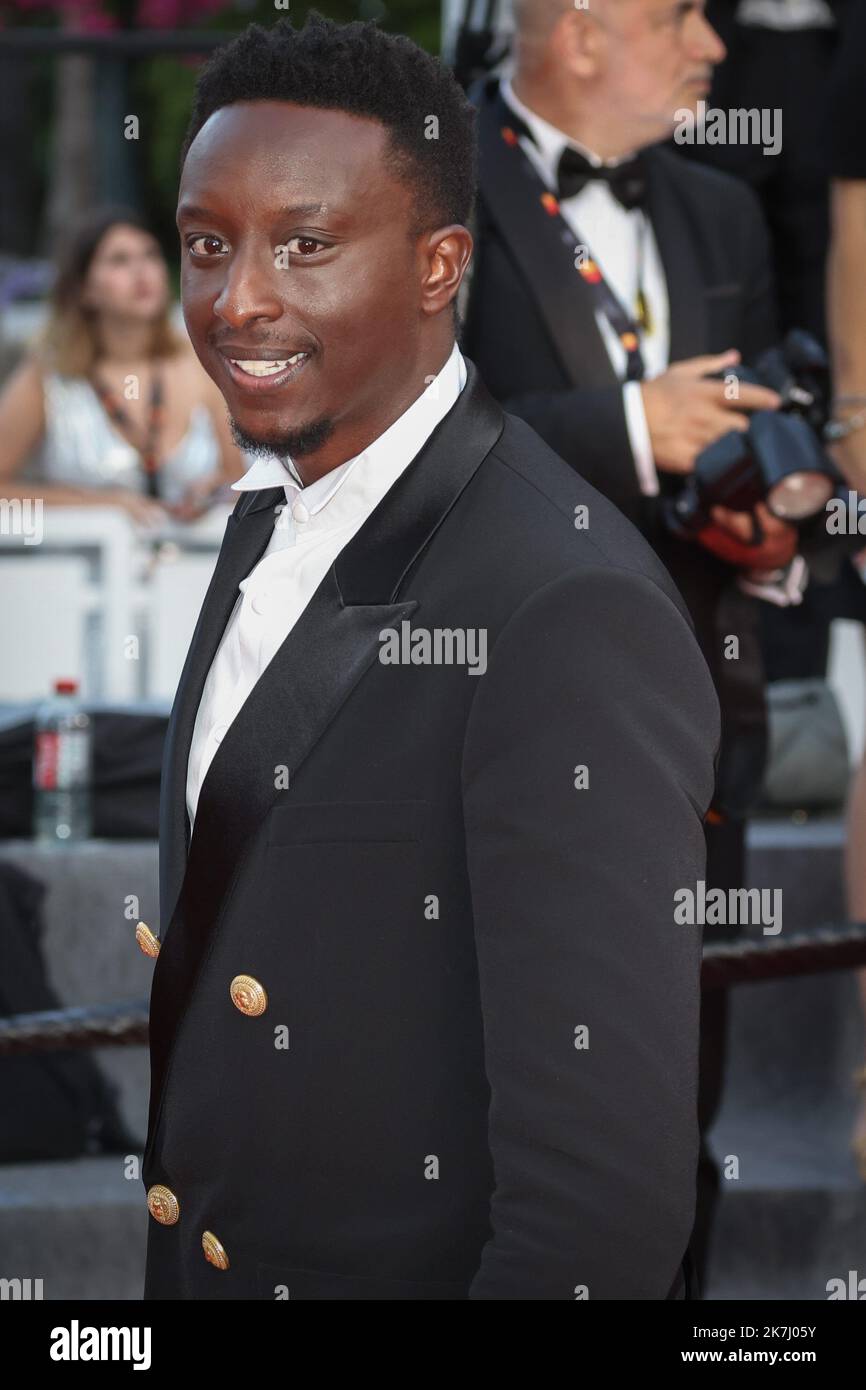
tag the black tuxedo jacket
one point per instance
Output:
(529, 324)
(476, 1073)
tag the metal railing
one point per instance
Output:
(125, 1024)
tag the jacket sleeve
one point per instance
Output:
(589, 988)
(587, 427)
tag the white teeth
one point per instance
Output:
(254, 368)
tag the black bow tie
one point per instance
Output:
(627, 182)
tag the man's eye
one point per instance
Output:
(306, 245)
(211, 240)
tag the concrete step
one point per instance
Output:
(79, 1225)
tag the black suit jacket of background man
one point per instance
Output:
(436, 911)
(530, 326)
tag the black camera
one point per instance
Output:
(780, 459)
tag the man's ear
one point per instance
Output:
(448, 252)
(466, 282)
(579, 40)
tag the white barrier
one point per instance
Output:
(99, 598)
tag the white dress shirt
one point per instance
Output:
(614, 235)
(309, 533)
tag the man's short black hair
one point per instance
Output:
(358, 68)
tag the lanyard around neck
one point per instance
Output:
(626, 328)
(120, 417)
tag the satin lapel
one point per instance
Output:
(678, 242)
(333, 643)
(546, 263)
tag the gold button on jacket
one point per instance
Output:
(248, 995)
(214, 1251)
(146, 939)
(162, 1204)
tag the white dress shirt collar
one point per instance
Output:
(551, 141)
(387, 455)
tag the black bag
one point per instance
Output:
(52, 1104)
(127, 758)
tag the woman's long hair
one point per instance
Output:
(68, 343)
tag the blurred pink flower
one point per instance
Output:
(86, 16)
(93, 16)
(169, 14)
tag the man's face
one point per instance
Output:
(294, 239)
(658, 59)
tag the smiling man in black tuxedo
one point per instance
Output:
(422, 1023)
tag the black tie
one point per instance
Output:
(627, 182)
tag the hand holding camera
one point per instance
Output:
(776, 470)
(688, 407)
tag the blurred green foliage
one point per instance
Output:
(160, 90)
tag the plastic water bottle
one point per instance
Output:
(62, 768)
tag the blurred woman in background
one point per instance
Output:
(110, 404)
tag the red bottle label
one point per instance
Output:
(46, 761)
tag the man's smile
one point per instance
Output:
(256, 374)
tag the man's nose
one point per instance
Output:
(251, 288)
(704, 43)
